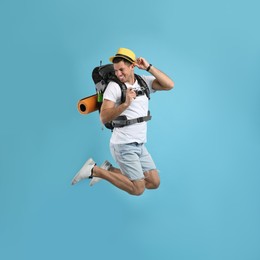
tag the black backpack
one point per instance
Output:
(101, 76)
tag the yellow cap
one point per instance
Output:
(124, 53)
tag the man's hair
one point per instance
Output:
(118, 59)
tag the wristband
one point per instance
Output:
(149, 67)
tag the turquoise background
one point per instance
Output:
(204, 136)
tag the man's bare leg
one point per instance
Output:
(107, 166)
(120, 180)
(152, 179)
(115, 170)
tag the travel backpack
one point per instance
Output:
(104, 74)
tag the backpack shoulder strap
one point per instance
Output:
(122, 86)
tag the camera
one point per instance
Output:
(139, 92)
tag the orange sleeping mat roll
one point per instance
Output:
(88, 104)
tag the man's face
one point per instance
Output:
(123, 71)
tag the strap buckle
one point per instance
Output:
(140, 119)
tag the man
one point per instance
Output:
(127, 144)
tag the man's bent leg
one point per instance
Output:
(152, 179)
(136, 187)
(115, 170)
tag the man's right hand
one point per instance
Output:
(130, 96)
(109, 111)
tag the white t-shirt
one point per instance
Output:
(138, 108)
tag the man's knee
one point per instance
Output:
(138, 188)
(155, 184)
(152, 179)
(137, 192)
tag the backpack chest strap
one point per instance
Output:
(122, 121)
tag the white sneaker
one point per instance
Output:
(85, 172)
(106, 166)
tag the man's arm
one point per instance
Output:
(109, 111)
(162, 81)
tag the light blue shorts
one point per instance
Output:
(133, 159)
